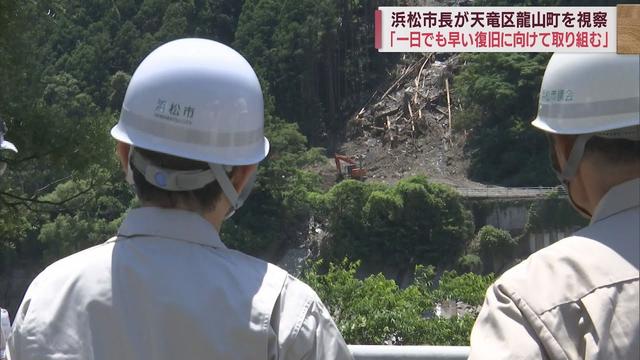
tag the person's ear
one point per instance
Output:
(241, 175)
(122, 151)
(563, 144)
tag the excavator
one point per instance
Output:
(349, 168)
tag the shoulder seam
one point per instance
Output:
(636, 278)
(529, 315)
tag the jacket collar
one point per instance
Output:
(619, 198)
(173, 224)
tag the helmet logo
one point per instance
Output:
(557, 96)
(161, 106)
(174, 112)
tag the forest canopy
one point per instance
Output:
(66, 65)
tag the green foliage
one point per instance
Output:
(68, 234)
(550, 2)
(469, 263)
(499, 96)
(495, 247)
(68, 68)
(316, 57)
(375, 311)
(280, 204)
(91, 213)
(414, 221)
(342, 207)
(369, 311)
(554, 212)
(468, 288)
(495, 241)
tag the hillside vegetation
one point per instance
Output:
(66, 65)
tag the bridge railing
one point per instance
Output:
(506, 192)
(387, 352)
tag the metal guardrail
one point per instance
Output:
(389, 352)
(505, 192)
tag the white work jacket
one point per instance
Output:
(5, 329)
(575, 299)
(167, 288)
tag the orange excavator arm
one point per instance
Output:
(353, 171)
(338, 158)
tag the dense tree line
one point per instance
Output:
(65, 68)
(498, 93)
(317, 57)
(413, 222)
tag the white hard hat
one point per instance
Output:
(4, 144)
(196, 99)
(589, 93)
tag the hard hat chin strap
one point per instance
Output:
(187, 180)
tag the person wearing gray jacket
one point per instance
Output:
(5, 329)
(578, 298)
(165, 287)
(5, 324)
(4, 145)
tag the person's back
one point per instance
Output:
(579, 298)
(166, 287)
(5, 325)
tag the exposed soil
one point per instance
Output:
(405, 128)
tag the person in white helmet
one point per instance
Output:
(4, 145)
(5, 326)
(578, 298)
(189, 138)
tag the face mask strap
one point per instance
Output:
(129, 175)
(183, 180)
(573, 162)
(571, 167)
(169, 179)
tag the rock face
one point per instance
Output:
(450, 308)
(294, 260)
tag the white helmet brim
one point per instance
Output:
(208, 154)
(6, 145)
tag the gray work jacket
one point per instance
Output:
(575, 299)
(167, 288)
